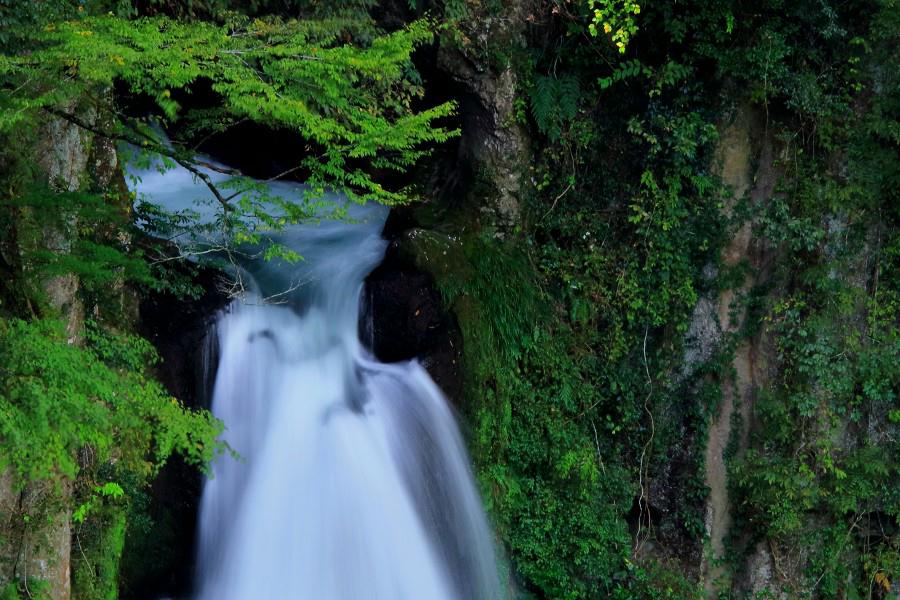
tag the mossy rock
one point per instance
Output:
(441, 256)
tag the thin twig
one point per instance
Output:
(211, 134)
(25, 566)
(597, 443)
(154, 146)
(83, 555)
(555, 200)
(642, 476)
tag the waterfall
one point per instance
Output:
(352, 481)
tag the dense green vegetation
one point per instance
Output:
(580, 399)
(587, 397)
(58, 398)
(824, 463)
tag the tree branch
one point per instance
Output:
(154, 146)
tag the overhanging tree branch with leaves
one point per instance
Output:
(347, 94)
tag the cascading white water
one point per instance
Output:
(353, 481)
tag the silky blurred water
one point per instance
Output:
(353, 481)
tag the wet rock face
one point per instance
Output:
(64, 151)
(158, 562)
(177, 328)
(493, 143)
(407, 319)
(758, 580)
(669, 498)
(36, 549)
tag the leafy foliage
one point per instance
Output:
(100, 257)
(616, 19)
(543, 476)
(554, 102)
(353, 103)
(350, 104)
(100, 538)
(624, 232)
(20, 20)
(824, 466)
(58, 398)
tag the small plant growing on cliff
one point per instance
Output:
(616, 19)
(57, 399)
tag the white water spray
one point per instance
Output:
(354, 483)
